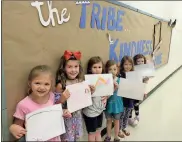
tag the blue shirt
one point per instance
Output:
(115, 103)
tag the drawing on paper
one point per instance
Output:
(101, 82)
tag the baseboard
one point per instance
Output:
(104, 131)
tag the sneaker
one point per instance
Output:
(107, 139)
(132, 122)
(116, 140)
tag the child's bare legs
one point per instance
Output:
(109, 125)
(116, 129)
(98, 136)
(92, 137)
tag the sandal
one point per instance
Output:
(121, 135)
(126, 132)
(107, 139)
(116, 140)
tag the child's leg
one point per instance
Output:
(132, 121)
(130, 116)
(98, 136)
(99, 127)
(109, 125)
(136, 107)
(116, 128)
(121, 135)
(92, 137)
(92, 124)
(116, 125)
(125, 120)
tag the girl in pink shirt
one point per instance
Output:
(40, 83)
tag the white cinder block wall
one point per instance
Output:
(166, 10)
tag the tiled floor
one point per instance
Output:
(160, 114)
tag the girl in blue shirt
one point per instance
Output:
(114, 106)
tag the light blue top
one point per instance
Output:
(115, 103)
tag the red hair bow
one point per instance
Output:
(69, 54)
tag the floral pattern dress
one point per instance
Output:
(73, 125)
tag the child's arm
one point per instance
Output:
(64, 95)
(16, 129)
(115, 86)
(92, 88)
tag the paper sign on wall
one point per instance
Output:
(146, 69)
(131, 89)
(45, 124)
(80, 96)
(103, 84)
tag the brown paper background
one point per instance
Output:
(26, 43)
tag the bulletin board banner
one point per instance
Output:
(38, 33)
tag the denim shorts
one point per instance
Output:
(115, 116)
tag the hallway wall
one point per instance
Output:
(166, 10)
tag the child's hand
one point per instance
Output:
(17, 131)
(65, 95)
(115, 86)
(104, 100)
(145, 80)
(92, 89)
(66, 113)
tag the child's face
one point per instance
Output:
(97, 68)
(72, 69)
(41, 85)
(140, 61)
(113, 69)
(127, 66)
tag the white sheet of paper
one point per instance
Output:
(146, 69)
(80, 96)
(103, 84)
(134, 75)
(45, 124)
(131, 89)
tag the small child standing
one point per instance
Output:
(70, 72)
(125, 66)
(114, 106)
(93, 115)
(40, 95)
(138, 60)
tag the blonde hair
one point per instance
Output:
(36, 71)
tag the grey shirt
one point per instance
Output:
(95, 109)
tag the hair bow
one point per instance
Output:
(69, 54)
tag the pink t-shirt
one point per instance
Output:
(27, 105)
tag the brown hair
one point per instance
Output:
(138, 56)
(36, 71)
(124, 59)
(61, 76)
(92, 61)
(109, 63)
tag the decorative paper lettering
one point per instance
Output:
(61, 19)
(110, 39)
(82, 2)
